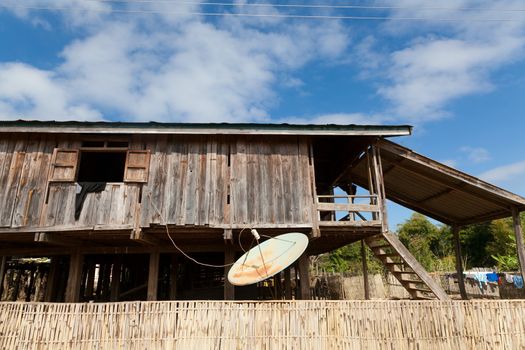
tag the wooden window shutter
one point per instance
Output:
(64, 165)
(137, 166)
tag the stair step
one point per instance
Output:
(420, 290)
(388, 255)
(424, 297)
(403, 271)
(380, 246)
(401, 263)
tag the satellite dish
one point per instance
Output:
(267, 259)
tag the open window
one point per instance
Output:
(99, 164)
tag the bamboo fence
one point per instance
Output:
(265, 325)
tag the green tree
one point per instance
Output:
(431, 245)
(348, 259)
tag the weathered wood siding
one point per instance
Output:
(188, 181)
(24, 165)
(116, 205)
(193, 180)
(217, 181)
(25, 162)
(270, 181)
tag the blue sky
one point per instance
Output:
(461, 83)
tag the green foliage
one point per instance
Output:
(348, 259)
(483, 245)
(431, 245)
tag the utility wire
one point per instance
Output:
(259, 15)
(309, 6)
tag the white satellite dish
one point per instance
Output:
(268, 258)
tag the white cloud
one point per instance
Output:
(30, 93)
(177, 69)
(505, 173)
(421, 78)
(476, 154)
(339, 118)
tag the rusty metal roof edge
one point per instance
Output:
(105, 127)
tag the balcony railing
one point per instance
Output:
(348, 210)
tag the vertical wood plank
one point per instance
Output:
(365, 271)
(229, 258)
(3, 264)
(74, 278)
(287, 284)
(115, 278)
(180, 211)
(277, 186)
(13, 183)
(304, 276)
(518, 232)
(287, 180)
(191, 191)
(459, 263)
(51, 280)
(173, 277)
(203, 178)
(153, 276)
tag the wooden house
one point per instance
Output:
(115, 205)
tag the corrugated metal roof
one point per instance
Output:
(74, 127)
(436, 190)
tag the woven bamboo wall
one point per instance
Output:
(265, 325)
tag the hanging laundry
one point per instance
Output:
(481, 277)
(509, 278)
(87, 187)
(518, 282)
(501, 279)
(492, 277)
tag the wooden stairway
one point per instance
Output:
(402, 264)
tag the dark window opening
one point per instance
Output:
(121, 144)
(101, 167)
(92, 143)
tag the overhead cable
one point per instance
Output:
(310, 6)
(262, 15)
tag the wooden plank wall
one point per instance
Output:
(214, 180)
(400, 324)
(194, 180)
(270, 181)
(188, 181)
(24, 165)
(116, 205)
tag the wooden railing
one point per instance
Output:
(348, 210)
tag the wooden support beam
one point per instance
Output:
(3, 267)
(173, 277)
(153, 276)
(459, 263)
(228, 234)
(90, 281)
(365, 271)
(56, 239)
(115, 278)
(51, 280)
(229, 258)
(145, 238)
(287, 284)
(304, 276)
(518, 232)
(74, 279)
